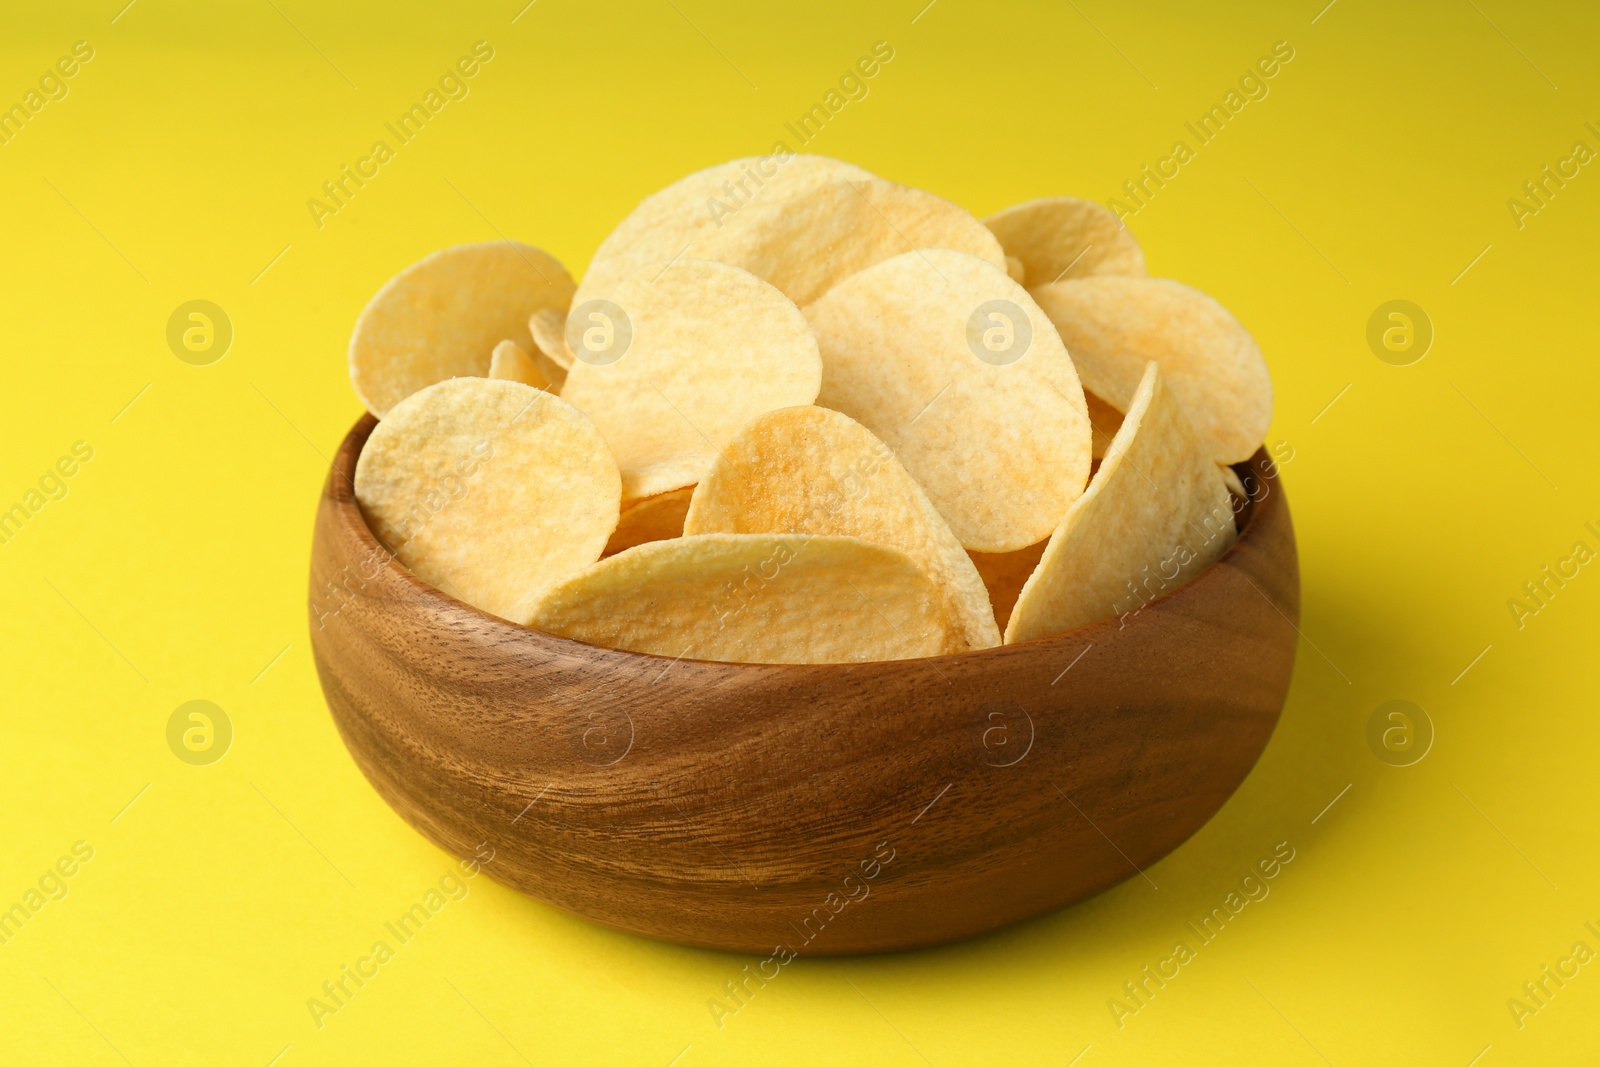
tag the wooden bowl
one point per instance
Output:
(826, 809)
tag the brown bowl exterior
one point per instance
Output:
(823, 810)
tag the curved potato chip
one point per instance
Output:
(1004, 574)
(1000, 442)
(1104, 422)
(653, 479)
(548, 327)
(1016, 271)
(755, 598)
(441, 317)
(655, 518)
(1156, 514)
(540, 323)
(1113, 325)
(508, 362)
(711, 348)
(490, 490)
(1061, 237)
(685, 217)
(807, 244)
(816, 471)
(1230, 478)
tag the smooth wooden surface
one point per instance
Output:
(743, 806)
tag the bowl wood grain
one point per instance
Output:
(822, 810)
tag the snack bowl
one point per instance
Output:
(823, 809)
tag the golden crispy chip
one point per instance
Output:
(1004, 574)
(952, 364)
(816, 471)
(552, 371)
(1113, 325)
(490, 490)
(755, 598)
(809, 243)
(680, 360)
(653, 479)
(554, 368)
(1156, 515)
(1230, 478)
(548, 327)
(685, 217)
(1063, 237)
(655, 518)
(510, 363)
(442, 316)
(1104, 421)
(1016, 271)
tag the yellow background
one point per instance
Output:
(1378, 168)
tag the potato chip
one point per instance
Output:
(1113, 325)
(1016, 271)
(755, 598)
(549, 368)
(554, 368)
(685, 217)
(548, 327)
(1156, 514)
(1004, 574)
(1104, 422)
(1062, 237)
(809, 243)
(951, 363)
(490, 490)
(679, 472)
(816, 471)
(1230, 478)
(509, 362)
(695, 352)
(442, 316)
(655, 518)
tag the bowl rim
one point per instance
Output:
(339, 490)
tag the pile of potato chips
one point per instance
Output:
(843, 421)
